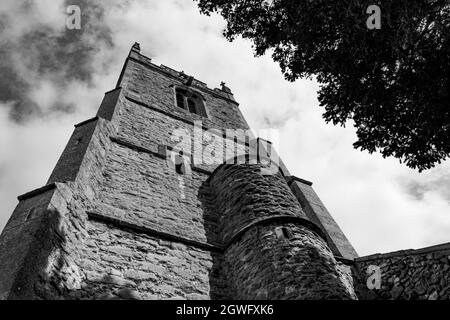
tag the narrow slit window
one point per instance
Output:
(179, 164)
(180, 100)
(191, 106)
(179, 168)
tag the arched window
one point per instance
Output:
(190, 101)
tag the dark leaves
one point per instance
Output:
(392, 82)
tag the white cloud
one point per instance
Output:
(45, 94)
(38, 14)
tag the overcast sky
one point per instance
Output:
(52, 78)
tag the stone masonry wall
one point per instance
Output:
(150, 128)
(264, 264)
(143, 189)
(242, 195)
(271, 250)
(96, 259)
(18, 246)
(156, 89)
(408, 274)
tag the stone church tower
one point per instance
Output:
(142, 206)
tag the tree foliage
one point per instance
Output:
(392, 82)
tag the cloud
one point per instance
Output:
(435, 181)
(41, 59)
(53, 78)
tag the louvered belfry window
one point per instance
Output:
(190, 101)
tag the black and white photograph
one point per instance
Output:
(241, 152)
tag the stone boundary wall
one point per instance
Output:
(407, 274)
